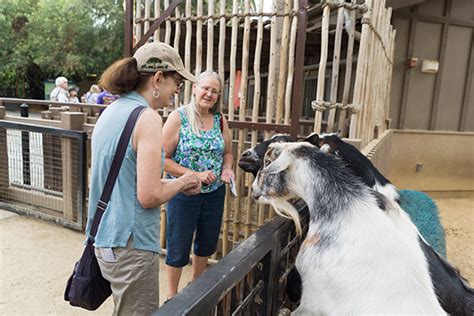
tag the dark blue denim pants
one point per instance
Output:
(186, 215)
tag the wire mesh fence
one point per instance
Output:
(42, 172)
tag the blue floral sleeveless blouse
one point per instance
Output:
(201, 153)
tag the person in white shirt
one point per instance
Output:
(60, 93)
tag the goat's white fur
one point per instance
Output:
(373, 265)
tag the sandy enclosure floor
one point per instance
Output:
(37, 257)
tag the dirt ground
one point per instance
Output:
(37, 257)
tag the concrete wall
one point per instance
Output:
(445, 160)
(443, 31)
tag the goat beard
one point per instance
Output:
(287, 210)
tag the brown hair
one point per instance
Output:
(122, 76)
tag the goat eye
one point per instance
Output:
(267, 162)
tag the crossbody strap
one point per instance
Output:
(115, 168)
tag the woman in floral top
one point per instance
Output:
(196, 138)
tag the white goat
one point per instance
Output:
(362, 253)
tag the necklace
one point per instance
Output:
(201, 121)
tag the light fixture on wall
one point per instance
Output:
(429, 66)
(412, 62)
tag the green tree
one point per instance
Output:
(73, 38)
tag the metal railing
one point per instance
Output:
(42, 172)
(250, 280)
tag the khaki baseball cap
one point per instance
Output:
(156, 56)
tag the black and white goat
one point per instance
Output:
(357, 256)
(453, 292)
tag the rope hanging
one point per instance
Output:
(320, 105)
(378, 36)
(290, 14)
(362, 8)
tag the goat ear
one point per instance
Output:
(313, 139)
(279, 164)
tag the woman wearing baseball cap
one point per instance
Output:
(127, 242)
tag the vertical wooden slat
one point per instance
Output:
(199, 38)
(146, 24)
(282, 74)
(167, 25)
(348, 74)
(210, 36)
(128, 28)
(157, 14)
(335, 68)
(322, 67)
(271, 82)
(187, 50)
(177, 35)
(256, 100)
(233, 56)
(297, 96)
(291, 63)
(357, 99)
(138, 25)
(242, 112)
(221, 66)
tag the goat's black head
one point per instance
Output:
(328, 143)
(251, 160)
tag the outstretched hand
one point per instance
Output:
(192, 183)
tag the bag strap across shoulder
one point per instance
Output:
(115, 168)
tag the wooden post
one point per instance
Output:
(233, 56)
(242, 113)
(187, 50)
(4, 179)
(335, 69)
(282, 75)
(271, 82)
(146, 25)
(322, 67)
(177, 36)
(221, 64)
(71, 121)
(167, 25)
(256, 98)
(156, 36)
(210, 36)
(221, 67)
(348, 75)
(199, 38)
(138, 25)
(359, 86)
(291, 63)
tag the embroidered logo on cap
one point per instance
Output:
(153, 64)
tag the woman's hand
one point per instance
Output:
(227, 173)
(191, 183)
(206, 177)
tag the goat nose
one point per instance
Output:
(255, 195)
(246, 153)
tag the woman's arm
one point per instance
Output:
(147, 141)
(228, 157)
(171, 139)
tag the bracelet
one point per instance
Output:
(226, 167)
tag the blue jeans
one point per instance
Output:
(185, 215)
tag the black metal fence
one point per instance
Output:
(250, 280)
(42, 172)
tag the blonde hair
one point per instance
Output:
(191, 108)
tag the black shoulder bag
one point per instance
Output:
(86, 287)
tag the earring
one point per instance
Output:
(156, 94)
